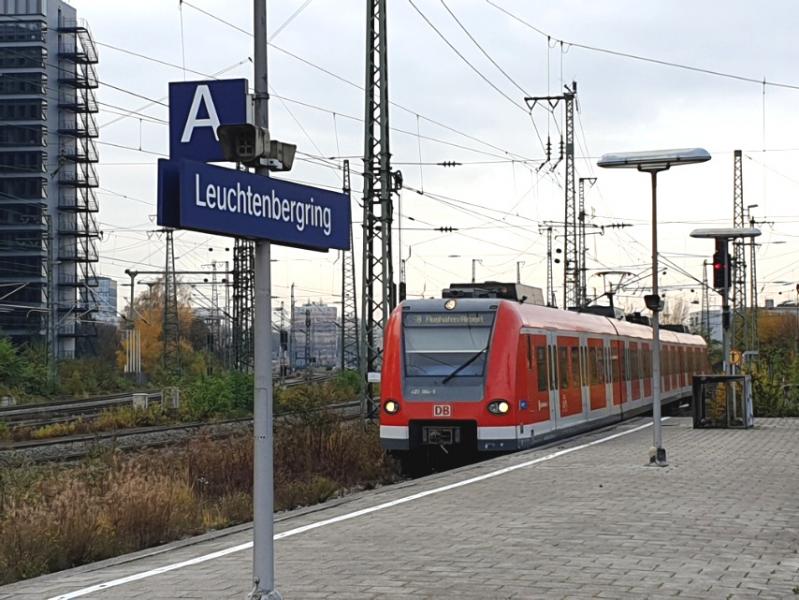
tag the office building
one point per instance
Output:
(48, 202)
(318, 324)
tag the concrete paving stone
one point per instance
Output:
(548, 531)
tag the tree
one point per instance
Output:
(148, 309)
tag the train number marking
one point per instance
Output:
(442, 410)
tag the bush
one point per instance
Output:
(226, 394)
(774, 399)
(23, 371)
(58, 516)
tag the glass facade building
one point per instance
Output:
(48, 181)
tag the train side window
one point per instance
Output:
(592, 374)
(675, 361)
(552, 357)
(626, 364)
(563, 366)
(542, 368)
(600, 365)
(647, 362)
(684, 356)
(670, 360)
(615, 365)
(529, 352)
(576, 374)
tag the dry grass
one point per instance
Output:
(58, 516)
(123, 417)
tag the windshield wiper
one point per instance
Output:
(463, 366)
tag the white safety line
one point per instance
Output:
(346, 517)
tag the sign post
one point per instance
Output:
(208, 123)
(263, 482)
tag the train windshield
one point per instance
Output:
(446, 344)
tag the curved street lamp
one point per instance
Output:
(654, 162)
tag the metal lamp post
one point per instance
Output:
(653, 162)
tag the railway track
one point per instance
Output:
(62, 411)
(77, 446)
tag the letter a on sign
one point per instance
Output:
(202, 95)
(196, 109)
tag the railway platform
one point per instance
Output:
(583, 518)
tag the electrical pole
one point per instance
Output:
(281, 337)
(740, 323)
(705, 303)
(171, 329)
(307, 343)
(243, 290)
(350, 354)
(228, 320)
(550, 299)
(215, 308)
(379, 185)
(52, 303)
(752, 334)
(292, 341)
(519, 264)
(474, 268)
(581, 244)
(571, 273)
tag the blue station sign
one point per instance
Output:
(201, 197)
(196, 109)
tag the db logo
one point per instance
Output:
(442, 410)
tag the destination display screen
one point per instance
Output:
(464, 319)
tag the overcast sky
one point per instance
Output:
(498, 196)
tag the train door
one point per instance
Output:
(617, 372)
(606, 354)
(538, 378)
(667, 368)
(596, 374)
(580, 364)
(571, 400)
(635, 374)
(556, 403)
(647, 368)
(684, 368)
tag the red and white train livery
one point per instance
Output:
(489, 374)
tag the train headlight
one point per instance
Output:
(391, 407)
(499, 407)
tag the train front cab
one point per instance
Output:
(448, 377)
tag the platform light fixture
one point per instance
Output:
(653, 162)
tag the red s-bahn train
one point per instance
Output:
(483, 374)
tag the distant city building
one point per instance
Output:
(696, 325)
(104, 300)
(319, 322)
(48, 203)
(695, 318)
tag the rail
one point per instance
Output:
(59, 411)
(79, 445)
